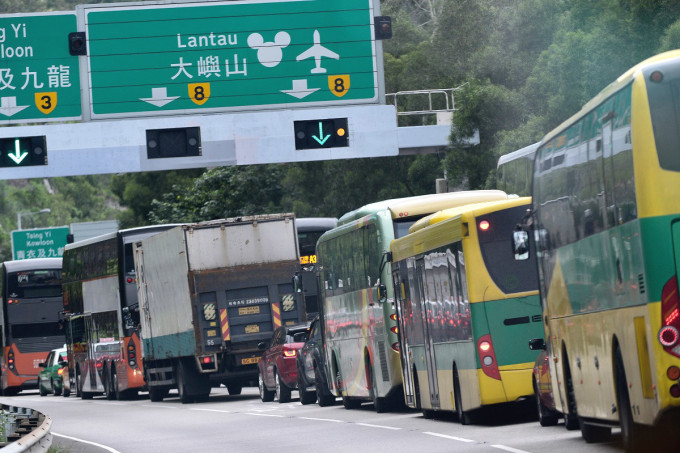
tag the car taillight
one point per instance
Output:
(669, 334)
(289, 352)
(60, 371)
(487, 357)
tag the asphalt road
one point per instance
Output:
(243, 423)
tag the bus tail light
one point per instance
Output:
(395, 330)
(673, 373)
(487, 357)
(10, 360)
(669, 334)
(396, 347)
(132, 353)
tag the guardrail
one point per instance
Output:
(24, 430)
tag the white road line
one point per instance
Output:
(379, 426)
(460, 439)
(513, 450)
(112, 450)
(322, 419)
(211, 410)
(264, 415)
(158, 406)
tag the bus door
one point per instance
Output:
(90, 372)
(404, 313)
(427, 312)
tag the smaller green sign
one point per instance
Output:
(39, 243)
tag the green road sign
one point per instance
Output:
(39, 243)
(39, 78)
(215, 56)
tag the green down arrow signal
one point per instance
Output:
(18, 156)
(321, 139)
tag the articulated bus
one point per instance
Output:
(359, 327)
(102, 315)
(309, 230)
(467, 309)
(515, 171)
(29, 320)
(606, 200)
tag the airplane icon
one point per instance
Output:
(317, 51)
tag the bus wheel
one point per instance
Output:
(571, 417)
(347, 402)
(633, 435)
(594, 433)
(78, 383)
(108, 387)
(463, 417)
(117, 394)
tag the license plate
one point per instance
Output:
(252, 328)
(249, 310)
(250, 360)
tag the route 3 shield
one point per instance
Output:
(339, 84)
(46, 101)
(199, 92)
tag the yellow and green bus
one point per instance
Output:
(361, 344)
(606, 196)
(467, 308)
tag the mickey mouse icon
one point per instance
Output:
(269, 53)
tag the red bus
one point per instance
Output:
(29, 320)
(102, 315)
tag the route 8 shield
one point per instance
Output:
(339, 84)
(199, 92)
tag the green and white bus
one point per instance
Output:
(360, 328)
(606, 201)
(467, 307)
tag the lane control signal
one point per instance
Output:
(326, 133)
(23, 151)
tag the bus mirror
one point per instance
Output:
(520, 244)
(297, 282)
(382, 293)
(537, 344)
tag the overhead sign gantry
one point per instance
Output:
(179, 58)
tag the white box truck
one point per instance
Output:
(208, 294)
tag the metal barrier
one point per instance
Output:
(24, 430)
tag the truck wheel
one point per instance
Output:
(265, 395)
(182, 384)
(235, 388)
(282, 390)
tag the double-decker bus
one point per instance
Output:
(309, 230)
(102, 315)
(360, 328)
(606, 200)
(29, 320)
(467, 308)
(515, 171)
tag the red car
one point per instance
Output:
(547, 414)
(277, 366)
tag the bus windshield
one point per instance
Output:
(34, 284)
(664, 106)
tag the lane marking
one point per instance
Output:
(157, 406)
(379, 426)
(513, 450)
(112, 450)
(322, 419)
(211, 410)
(460, 439)
(264, 415)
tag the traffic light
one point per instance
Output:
(176, 142)
(383, 27)
(77, 43)
(327, 133)
(23, 151)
